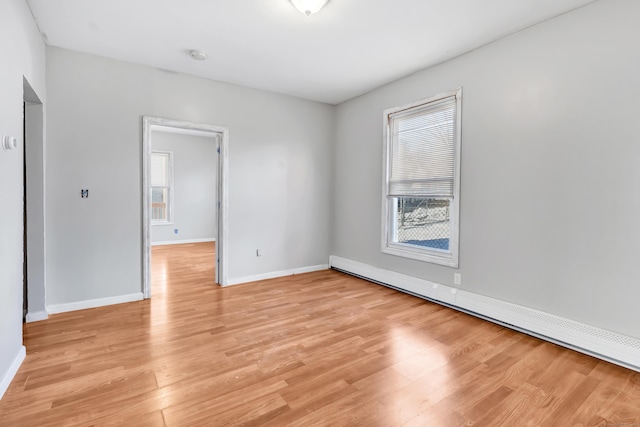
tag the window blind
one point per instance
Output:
(422, 150)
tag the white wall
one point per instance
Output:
(550, 168)
(194, 187)
(279, 161)
(23, 55)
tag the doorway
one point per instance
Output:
(34, 307)
(219, 136)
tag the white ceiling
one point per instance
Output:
(347, 49)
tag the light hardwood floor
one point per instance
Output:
(315, 349)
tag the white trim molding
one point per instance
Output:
(276, 274)
(12, 371)
(182, 242)
(37, 316)
(610, 346)
(93, 303)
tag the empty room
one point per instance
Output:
(319, 213)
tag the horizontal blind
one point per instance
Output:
(422, 150)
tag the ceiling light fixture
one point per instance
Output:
(309, 7)
(198, 55)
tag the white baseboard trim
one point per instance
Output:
(181, 242)
(12, 371)
(276, 274)
(37, 316)
(613, 347)
(93, 303)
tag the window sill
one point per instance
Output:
(161, 223)
(434, 257)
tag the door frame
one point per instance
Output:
(34, 208)
(150, 123)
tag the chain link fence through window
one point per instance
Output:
(424, 222)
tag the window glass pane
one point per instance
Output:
(159, 198)
(423, 222)
(160, 169)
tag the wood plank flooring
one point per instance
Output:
(318, 349)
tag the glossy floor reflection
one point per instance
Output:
(314, 349)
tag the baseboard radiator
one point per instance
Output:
(613, 347)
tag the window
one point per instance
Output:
(161, 186)
(422, 180)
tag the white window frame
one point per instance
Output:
(448, 258)
(169, 220)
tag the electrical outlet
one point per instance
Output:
(457, 278)
(258, 252)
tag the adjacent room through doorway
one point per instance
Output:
(184, 204)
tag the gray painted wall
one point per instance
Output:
(279, 167)
(23, 55)
(36, 270)
(550, 168)
(194, 187)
